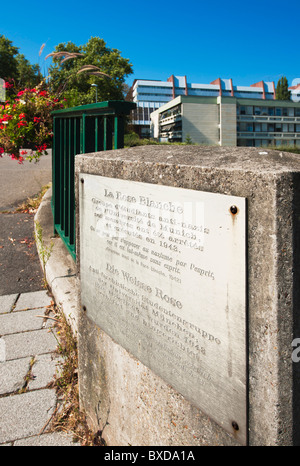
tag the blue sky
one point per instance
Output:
(247, 42)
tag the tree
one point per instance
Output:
(282, 89)
(68, 75)
(8, 61)
(15, 67)
(28, 75)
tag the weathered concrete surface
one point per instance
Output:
(126, 400)
(60, 268)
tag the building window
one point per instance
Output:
(271, 128)
(291, 128)
(257, 127)
(278, 128)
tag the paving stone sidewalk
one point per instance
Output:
(28, 363)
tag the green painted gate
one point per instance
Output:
(80, 130)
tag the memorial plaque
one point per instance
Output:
(163, 272)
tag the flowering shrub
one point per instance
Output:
(26, 123)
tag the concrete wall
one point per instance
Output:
(124, 399)
(227, 123)
(200, 122)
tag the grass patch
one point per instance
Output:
(293, 149)
(32, 203)
(133, 139)
(68, 417)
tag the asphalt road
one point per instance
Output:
(19, 182)
(20, 269)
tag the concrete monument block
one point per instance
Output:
(188, 262)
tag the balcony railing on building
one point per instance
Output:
(80, 130)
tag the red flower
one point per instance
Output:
(36, 119)
(20, 93)
(22, 115)
(22, 123)
(41, 148)
(6, 118)
(7, 85)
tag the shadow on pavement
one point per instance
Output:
(20, 269)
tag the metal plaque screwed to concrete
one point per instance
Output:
(163, 272)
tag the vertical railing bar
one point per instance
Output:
(72, 186)
(83, 133)
(104, 133)
(116, 132)
(69, 178)
(61, 184)
(55, 153)
(96, 133)
(65, 179)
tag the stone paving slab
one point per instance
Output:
(7, 302)
(45, 367)
(20, 345)
(25, 415)
(33, 300)
(28, 346)
(48, 440)
(12, 374)
(21, 321)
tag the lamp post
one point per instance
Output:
(96, 86)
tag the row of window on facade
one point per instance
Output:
(268, 142)
(269, 127)
(171, 112)
(267, 111)
(142, 113)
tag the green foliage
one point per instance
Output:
(26, 123)
(282, 89)
(28, 75)
(44, 251)
(66, 76)
(286, 148)
(132, 139)
(14, 67)
(8, 62)
(188, 139)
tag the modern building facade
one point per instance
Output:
(228, 121)
(149, 95)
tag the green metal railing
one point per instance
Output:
(80, 130)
